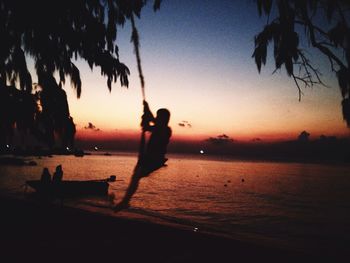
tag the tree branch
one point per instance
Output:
(318, 45)
(297, 84)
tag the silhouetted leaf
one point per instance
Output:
(337, 34)
(261, 43)
(62, 77)
(267, 6)
(343, 81)
(289, 66)
(156, 5)
(260, 55)
(75, 79)
(109, 83)
(346, 110)
(294, 43)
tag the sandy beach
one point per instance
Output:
(38, 232)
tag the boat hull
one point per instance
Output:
(70, 188)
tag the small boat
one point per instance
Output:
(79, 153)
(71, 188)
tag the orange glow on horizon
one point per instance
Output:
(134, 135)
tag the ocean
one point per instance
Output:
(296, 206)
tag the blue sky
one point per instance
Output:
(196, 57)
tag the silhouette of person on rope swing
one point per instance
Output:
(152, 157)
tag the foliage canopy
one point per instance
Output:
(54, 33)
(325, 26)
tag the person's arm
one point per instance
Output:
(147, 117)
(147, 111)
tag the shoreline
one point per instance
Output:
(49, 232)
(27, 160)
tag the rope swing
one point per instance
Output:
(136, 41)
(145, 164)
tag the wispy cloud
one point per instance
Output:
(185, 124)
(220, 139)
(90, 126)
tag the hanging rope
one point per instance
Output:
(135, 40)
(138, 171)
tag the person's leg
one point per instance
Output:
(130, 191)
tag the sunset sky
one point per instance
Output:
(197, 63)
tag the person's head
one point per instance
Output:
(59, 168)
(45, 170)
(163, 116)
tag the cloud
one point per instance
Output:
(185, 124)
(256, 140)
(220, 139)
(90, 126)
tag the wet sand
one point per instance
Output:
(40, 232)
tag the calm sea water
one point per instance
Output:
(292, 205)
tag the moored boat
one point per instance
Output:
(71, 188)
